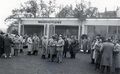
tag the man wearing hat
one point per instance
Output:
(107, 55)
(44, 47)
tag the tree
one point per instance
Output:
(31, 7)
(15, 31)
(92, 12)
(47, 9)
(80, 12)
(67, 11)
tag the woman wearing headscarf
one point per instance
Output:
(35, 44)
(97, 47)
(117, 57)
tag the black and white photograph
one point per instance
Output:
(60, 37)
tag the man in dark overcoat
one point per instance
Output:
(1, 44)
(7, 46)
(66, 45)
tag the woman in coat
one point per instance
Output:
(16, 45)
(29, 44)
(21, 44)
(35, 44)
(85, 45)
(97, 47)
(117, 57)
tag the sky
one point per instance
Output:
(6, 6)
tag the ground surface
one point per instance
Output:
(24, 64)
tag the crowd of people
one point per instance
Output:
(12, 45)
(105, 52)
(58, 46)
(53, 48)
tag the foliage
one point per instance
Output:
(33, 8)
(92, 12)
(67, 11)
(81, 11)
(48, 9)
(15, 31)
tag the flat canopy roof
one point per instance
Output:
(71, 21)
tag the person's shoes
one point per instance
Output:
(102, 72)
(43, 57)
(10, 56)
(59, 61)
(36, 53)
(21, 50)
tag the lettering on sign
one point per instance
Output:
(56, 22)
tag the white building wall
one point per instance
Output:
(72, 22)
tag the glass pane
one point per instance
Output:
(102, 30)
(91, 29)
(67, 30)
(112, 29)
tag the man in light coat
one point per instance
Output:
(44, 47)
(60, 48)
(107, 56)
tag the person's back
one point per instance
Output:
(107, 56)
(7, 41)
(108, 48)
